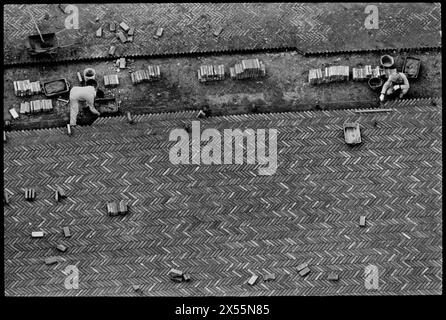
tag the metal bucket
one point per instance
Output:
(375, 83)
(387, 61)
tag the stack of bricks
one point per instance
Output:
(329, 74)
(211, 73)
(152, 73)
(30, 194)
(367, 72)
(178, 276)
(26, 88)
(248, 69)
(36, 106)
(315, 76)
(117, 208)
(111, 80)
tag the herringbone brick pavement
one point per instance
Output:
(189, 27)
(222, 223)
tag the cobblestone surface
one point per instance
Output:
(189, 28)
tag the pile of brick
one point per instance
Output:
(117, 208)
(36, 106)
(152, 73)
(178, 276)
(111, 80)
(248, 69)
(26, 88)
(329, 74)
(211, 73)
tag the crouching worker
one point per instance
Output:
(77, 94)
(396, 83)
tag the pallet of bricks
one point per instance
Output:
(248, 69)
(329, 74)
(25, 88)
(211, 73)
(152, 73)
(36, 106)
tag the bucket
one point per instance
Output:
(375, 83)
(387, 61)
(91, 82)
(89, 74)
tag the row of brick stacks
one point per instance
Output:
(25, 88)
(211, 73)
(342, 73)
(248, 69)
(36, 106)
(152, 73)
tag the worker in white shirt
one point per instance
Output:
(396, 82)
(77, 94)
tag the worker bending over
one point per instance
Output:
(397, 81)
(77, 94)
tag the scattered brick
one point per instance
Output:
(99, 32)
(61, 192)
(130, 39)
(176, 275)
(333, 276)
(131, 32)
(79, 77)
(121, 63)
(112, 209)
(218, 31)
(302, 266)
(61, 248)
(51, 260)
(121, 37)
(252, 281)
(269, 277)
(30, 194)
(66, 232)
(136, 287)
(6, 197)
(186, 277)
(112, 50)
(56, 196)
(362, 222)
(4, 136)
(112, 27)
(159, 33)
(37, 234)
(13, 113)
(124, 26)
(304, 272)
(122, 208)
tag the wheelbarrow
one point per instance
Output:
(36, 47)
